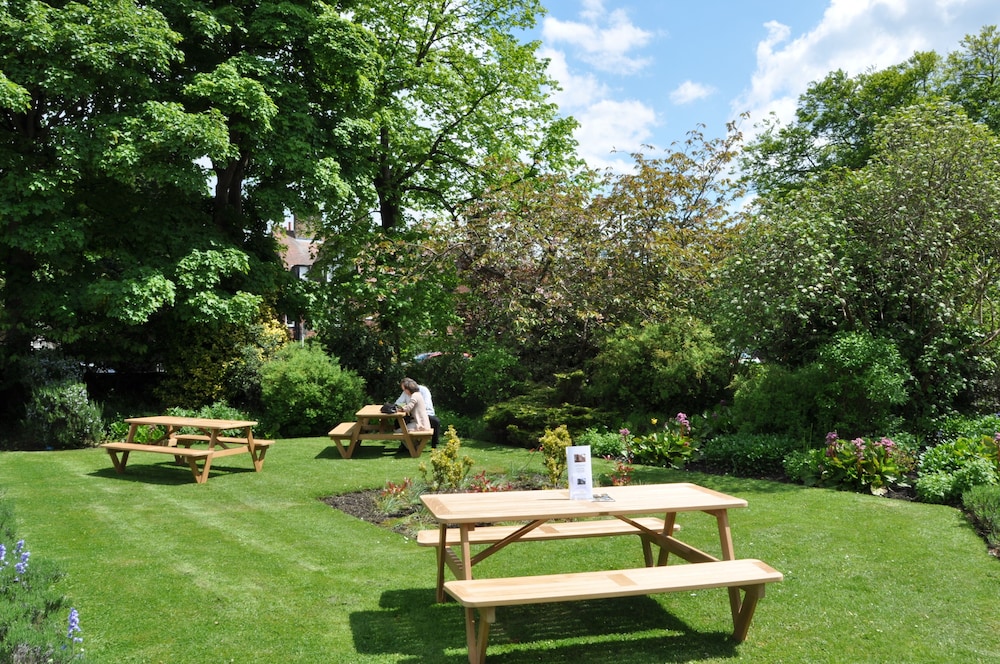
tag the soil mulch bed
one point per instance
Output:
(361, 505)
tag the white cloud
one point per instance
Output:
(602, 39)
(608, 127)
(689, 91)
(577, 90)
(855, 36)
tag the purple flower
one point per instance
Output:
(886, 443)
(22, 566)
(831, 438)
(682, 419)
(74, 626)
(624, 432)
(859, 447)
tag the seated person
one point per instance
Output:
(429, 405)
(415, 407)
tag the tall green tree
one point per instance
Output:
(972, 76)
(903, 249)
(834, 123)
(114, 115)
(458, 86)
(87, 147)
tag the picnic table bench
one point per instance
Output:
(485, 595)
(502, 535)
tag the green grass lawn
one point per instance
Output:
(253, 567)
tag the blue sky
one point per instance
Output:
(637, 72)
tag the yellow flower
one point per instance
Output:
(653, 421)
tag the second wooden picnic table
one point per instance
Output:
(373, 424)
(172, 440)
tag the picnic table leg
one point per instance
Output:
(118, 464)
(728, 553)
(669, 519)
(441, 553)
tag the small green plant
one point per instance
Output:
(553, 444)
(603, 443)
(395, 497)
(448, 471)
(947, 470)
(62, 416)
(748, 455)
(670, 445)
(304, 390)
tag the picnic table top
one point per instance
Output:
(198, 422)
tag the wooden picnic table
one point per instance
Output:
(215, 438)
(544, 511)
(373, 424)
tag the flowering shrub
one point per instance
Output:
(860, 464)
(669, 445)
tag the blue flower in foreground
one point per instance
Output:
(22, 566)
(74, 627)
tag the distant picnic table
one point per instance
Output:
(212, 442)
(373, 424)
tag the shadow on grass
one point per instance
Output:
(164, 472)
(369, 451)
(629, 630)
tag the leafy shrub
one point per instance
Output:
(521, 421)
(772, 399)
(714, 421)
(32, 624)
(964, 426)
(855, 385)
(948, 469)
(748, 455)
(936, 487)
(603, 443)
(669, 445)
(804, 466)
(59, 413)
(863, 382)
(982, 503)
(305, 392)
(659, 367)
(61, 416)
